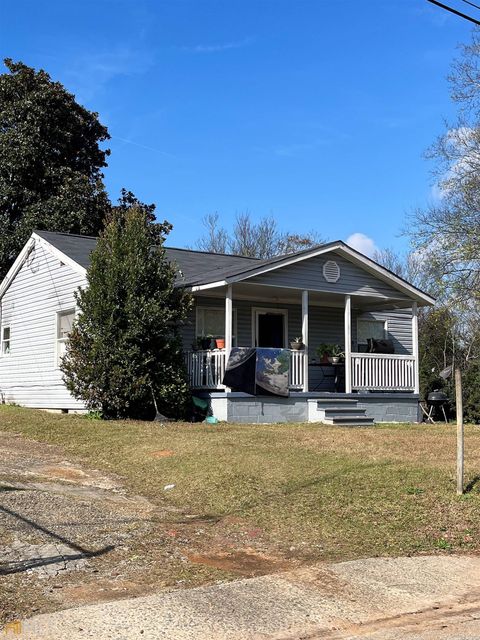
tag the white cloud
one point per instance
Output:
(215, 48)
(362, 243)
(437, 193)
(90, 72)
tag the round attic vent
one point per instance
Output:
(331, 271)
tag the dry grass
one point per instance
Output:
(316, 492)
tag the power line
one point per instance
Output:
(457, 13)
(471, 4)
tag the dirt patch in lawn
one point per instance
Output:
(246, 563)
(63, 473)
(164, 453)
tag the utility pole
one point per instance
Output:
(460, 446)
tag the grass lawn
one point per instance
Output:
(317, 492)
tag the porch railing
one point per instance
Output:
(383, 372)
(206, 369)
(370, 371)
(296, 369)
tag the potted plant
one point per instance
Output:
(220, 342)
(296, 344)
(206, 342)
(336, 353)
(323, 351)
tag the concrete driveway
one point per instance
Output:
(431, 597)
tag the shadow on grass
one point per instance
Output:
(24, 565)
(472, 484)
(9, 487)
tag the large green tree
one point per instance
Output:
(125, 349)
(50, 161)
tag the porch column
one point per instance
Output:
(348, 344)
(305, 338)
(228, 325)
(228, 320)
(415, 346)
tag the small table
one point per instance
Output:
(330, 374)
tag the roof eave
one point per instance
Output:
(370, 265)
(25, 252)
(17, 265)
(63, 257)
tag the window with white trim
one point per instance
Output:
(64, 326)
(211, 322)
(366, 328)
(6, 341)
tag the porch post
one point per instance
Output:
(305, 339)
(228, 324)
(348, 344)
(415, 346)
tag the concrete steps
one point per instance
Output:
(339, 411)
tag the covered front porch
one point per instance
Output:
(368, 372)
(266, 316)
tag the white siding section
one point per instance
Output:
(29, 375)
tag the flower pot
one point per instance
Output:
(296, 346)
(206, 343)
(335, 360)
(325, 358)
(220, 342)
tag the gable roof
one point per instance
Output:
(192, 264)
(203, 270)
(338, 246)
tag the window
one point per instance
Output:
(370, 329)
(5, 341)
(211, 322)
(64, 326)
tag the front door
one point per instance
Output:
(270, 329)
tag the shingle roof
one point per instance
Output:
(194, 265)
(76, 247)
(201, 267)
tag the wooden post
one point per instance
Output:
(460, 447)
(305, 338)
(228, 324)
(415, 347)
(348, 344)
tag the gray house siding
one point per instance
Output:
(308, 274)
(29, 374)
(326, 324)
(399, 327)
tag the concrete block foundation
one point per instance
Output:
(300, 407)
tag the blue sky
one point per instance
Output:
(316, 112)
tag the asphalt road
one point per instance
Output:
(427, 598)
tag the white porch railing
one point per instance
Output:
(206, 369)
(383, 372)
(370, 371)
(296, 369)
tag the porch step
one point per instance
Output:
(341, 411)
(345, 411)
(351, 421)
(328, 402)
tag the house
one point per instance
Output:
(327, 294)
